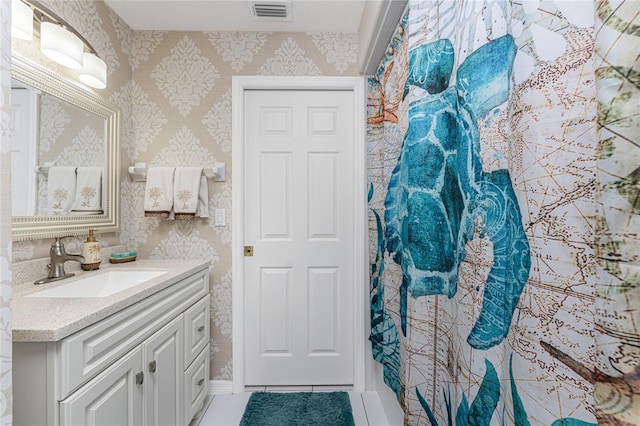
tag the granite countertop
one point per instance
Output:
(49, 319)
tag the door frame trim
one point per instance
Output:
(360, 256)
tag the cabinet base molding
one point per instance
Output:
(220, 387)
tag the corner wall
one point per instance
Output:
(6, 392)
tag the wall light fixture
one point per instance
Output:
(94, 71)
(21, 20)
(61, 45)
(60, 42)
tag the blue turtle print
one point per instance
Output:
(438, 190)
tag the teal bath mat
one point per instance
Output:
(298, 409)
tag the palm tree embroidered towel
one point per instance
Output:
(88, 198)
(158, 194)
(61, 189)
(186, 190)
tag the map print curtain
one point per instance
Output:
(504, 169)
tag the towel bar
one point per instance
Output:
(138, 172)
(45, 169)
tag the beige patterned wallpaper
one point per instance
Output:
(174, 90)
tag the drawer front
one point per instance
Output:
(197, 329)
(84, 354)
(196, 384)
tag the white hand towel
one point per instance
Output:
(61, 189)
(186, 190)
(158, 195)
(203, 199)
(88, 191)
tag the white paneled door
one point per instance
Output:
(299, 231)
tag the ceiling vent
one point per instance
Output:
(270, 10)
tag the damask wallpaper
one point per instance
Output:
(174, 90)
(503, 162)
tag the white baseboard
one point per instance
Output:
(392, 409)
(219, 387)
(391, 406)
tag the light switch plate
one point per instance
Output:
(220, 219)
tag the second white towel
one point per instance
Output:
(186, 190)
(203, 199)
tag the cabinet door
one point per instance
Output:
(113, 397)
(164, 375)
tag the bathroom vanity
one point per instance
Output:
(138, 356)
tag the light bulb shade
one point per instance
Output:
(94, 71)
(61, 45)
(21, 20)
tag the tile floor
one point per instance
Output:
(226, 410)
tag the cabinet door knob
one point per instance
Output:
(152, 366)
(200, 382)
(139, 378)
(201, 328)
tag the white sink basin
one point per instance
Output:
(100, 285)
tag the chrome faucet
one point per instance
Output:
(56, 267)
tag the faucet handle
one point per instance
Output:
(57, 247)
(58, 241)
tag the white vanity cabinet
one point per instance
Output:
(147, 364)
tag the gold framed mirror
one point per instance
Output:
(88, 113)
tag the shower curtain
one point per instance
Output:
(504, 170)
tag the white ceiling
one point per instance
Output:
(235, 15)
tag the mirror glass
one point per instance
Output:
(51, 132)
(64, 161)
